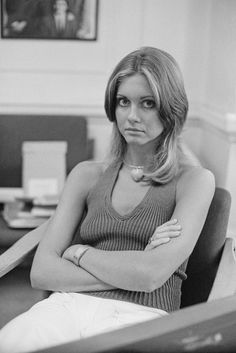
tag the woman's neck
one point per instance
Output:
(138, 157)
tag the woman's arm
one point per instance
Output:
(148, 270)
(49, 270)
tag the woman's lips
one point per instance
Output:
(133, 130)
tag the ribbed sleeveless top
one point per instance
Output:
(104, 228)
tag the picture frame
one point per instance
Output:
(49, 19)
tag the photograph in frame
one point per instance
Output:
(49, 19)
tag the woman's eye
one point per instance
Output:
(148, 104)
(123, 102)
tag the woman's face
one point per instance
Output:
(136, 112)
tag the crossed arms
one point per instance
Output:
(53, 267)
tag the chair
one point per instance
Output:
(211, 268)
(212, 255)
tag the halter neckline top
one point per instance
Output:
(104, 228)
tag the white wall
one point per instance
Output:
(212, 130)
(221, 69)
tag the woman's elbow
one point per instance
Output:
(37, 277)
(40, 274)
(150, 281)
(152, 284)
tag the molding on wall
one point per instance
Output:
(52, 71)
(36, 89)
(214, 119)
(61, 109)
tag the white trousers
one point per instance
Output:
(65, 317)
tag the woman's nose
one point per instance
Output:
(133, 114)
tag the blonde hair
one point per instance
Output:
(166, 82)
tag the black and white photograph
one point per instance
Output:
(49, 19)
(117, 176)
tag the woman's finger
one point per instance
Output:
(157, 242)
(167, 228)
(166, 234)
(170, 229)
(172, 233)
(171, 221)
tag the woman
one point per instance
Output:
(144, 212)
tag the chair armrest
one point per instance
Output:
(225, 282)
(15, 255)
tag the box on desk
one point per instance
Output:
(44, 173)
(44, 167)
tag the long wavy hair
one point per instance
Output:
(166, 82)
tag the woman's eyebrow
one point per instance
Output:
(148, 96)
(142, 97)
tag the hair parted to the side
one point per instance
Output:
(166, 82)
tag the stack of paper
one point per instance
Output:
(27, 212)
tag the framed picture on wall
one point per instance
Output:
(49, 19)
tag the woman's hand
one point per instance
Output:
(75, 252)
(69, 253)
(164, 233)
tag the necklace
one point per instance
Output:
(136, 171)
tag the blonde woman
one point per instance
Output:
(144, 211)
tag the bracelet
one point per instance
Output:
(79, 253)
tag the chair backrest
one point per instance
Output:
(15, 129)
(204, 260)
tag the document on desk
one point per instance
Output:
(17, 216)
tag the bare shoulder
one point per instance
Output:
(192, 174)
(82, 178)
(87, 167)
(88, 172)
(196, 180)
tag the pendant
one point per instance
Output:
(137, 174)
